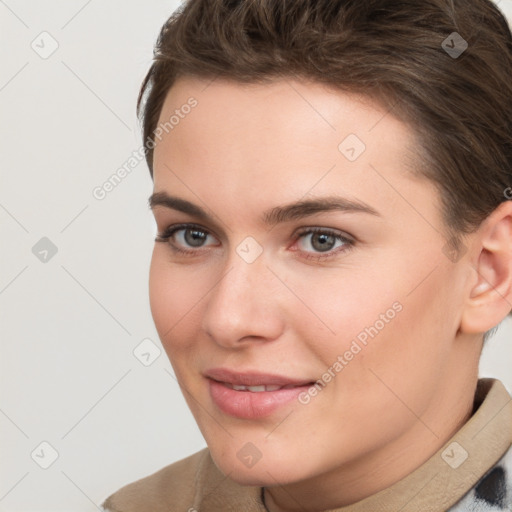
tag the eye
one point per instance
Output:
(188, 235)
(325, 243)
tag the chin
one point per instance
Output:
(266, 473)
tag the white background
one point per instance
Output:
(69, 326)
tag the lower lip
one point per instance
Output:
(250, 404)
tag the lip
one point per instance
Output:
(249, 404)
(251, 378)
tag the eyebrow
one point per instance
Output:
(278, 214)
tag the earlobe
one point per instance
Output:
(490, 298)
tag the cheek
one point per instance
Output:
(172, 295)
(404, 362)
(380, 325)
(344, 302)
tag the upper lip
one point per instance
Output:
(251, 378)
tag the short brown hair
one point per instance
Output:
(404, 55)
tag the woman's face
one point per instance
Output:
(360, 296)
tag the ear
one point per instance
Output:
(490, 298)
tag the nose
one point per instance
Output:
(244, 305)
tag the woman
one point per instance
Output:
(332, 185)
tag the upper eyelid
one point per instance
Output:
(191, 225)
(188, 225)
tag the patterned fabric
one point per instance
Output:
(493, 492)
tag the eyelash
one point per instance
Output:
(171, 230)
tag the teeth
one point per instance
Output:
(254, 389)
(273, 388)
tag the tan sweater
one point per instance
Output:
(195, 484)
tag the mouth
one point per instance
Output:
(252, 395)
(259, 389)
(254, 381)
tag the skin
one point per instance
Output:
(245, 149)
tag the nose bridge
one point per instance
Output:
(241, 302)
(245, 272)
(241, 284)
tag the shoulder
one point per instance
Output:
(493, 492)
(190, 484)
(174, 484)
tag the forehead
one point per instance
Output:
(283, 139)
(283, 113)
(314, 103)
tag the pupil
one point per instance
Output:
(196, 238)
(324, 237)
